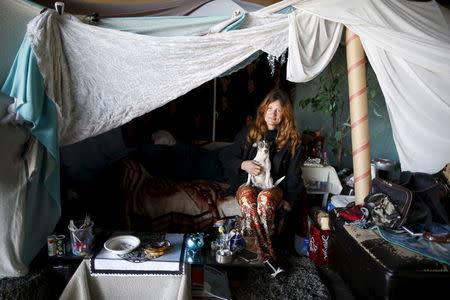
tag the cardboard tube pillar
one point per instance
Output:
(359, 117)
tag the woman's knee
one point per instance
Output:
(247, 195)
(270, 197)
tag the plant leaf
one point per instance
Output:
(377, 114)
(337, 135)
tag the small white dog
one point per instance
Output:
(263, 180)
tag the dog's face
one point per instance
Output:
(263, 147)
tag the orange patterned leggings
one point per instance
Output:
(258, 209)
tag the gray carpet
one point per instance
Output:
(35, 285)
(301, 281)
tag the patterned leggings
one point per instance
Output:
(258, 212)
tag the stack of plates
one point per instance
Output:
(156, 249)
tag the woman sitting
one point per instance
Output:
(275, 124)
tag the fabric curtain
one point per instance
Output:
(138, 73)
(13, 183)
(164, 26)
(95, 102)
(139, 9)
(217, 8)
(14, 15)
(312, 44)
(408, 46)
(40, 207)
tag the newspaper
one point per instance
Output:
(215, 283)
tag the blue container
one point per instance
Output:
(301, 245)
(330, 206)
(237, 242)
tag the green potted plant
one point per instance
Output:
(331, 99)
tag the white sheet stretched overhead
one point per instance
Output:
(408, 46)
(116, 76)
(406, 42)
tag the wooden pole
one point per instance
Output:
(213, 139)
(359, 117)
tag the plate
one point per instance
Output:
(156, 249)
(122, 244)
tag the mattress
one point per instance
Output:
(375, 268)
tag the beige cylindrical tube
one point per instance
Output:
(359, 117)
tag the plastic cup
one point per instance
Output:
(81, 238)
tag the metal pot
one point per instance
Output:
(224, 256)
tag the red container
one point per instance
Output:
(319, 245)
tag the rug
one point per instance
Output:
(34, 285)
(301, 281)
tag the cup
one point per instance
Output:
(60, 245)
(81, 238)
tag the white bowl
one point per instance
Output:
(122, 244)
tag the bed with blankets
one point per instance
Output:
(176, 188)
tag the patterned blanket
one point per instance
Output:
(170, 206)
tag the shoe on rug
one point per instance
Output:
(273, 267)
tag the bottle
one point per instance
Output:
(223, 239)
(325, 159)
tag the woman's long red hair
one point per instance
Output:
(287, 130)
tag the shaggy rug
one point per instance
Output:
(301, 281)
(34, 285)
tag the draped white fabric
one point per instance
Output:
(312, 44)
(408, 46)
(117, 76)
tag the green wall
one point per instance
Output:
(381, 140)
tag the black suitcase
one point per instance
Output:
(377, 269)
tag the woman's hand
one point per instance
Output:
(286, 206)
(252, 167)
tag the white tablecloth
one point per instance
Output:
(83, 286)
(323, 174)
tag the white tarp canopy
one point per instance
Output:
(100, 78)
(93, 102)
(407, 44)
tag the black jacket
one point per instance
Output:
(283, 164)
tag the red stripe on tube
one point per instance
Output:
(361, 177)
(351, 38)
(358, 93)
(358, 122)
(356, 64)
(360, 149)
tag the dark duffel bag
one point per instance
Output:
(431, 201)
(399, 196)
